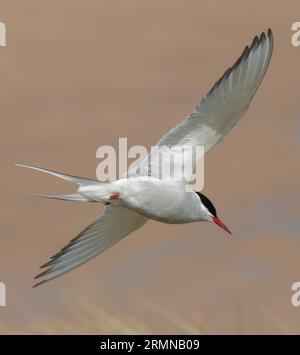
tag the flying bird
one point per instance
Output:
(142, 195)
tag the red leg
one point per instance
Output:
(115, 196)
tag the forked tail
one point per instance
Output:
(77, 196)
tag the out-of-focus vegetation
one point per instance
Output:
(91, 318)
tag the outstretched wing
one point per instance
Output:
(114, 224)
(217, 112)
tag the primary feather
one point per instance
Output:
(218, 111)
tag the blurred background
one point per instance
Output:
(79, 74)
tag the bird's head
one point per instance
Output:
(210, 212)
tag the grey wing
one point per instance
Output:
(220, 109)
(114, 224)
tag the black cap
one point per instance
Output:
(207, 203)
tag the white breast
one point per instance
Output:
(161, 200)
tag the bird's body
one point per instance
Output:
(161, 200)
(138, 197)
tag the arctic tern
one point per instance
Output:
(131, 201)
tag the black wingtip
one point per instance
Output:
(44, 273)
(255, 43)
(48, 263)
(270, 32)
(39, 284)
(262, 37)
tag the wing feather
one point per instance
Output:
(217, 112)
(114, 224)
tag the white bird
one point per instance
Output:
(133, 200)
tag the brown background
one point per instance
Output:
(79, 74)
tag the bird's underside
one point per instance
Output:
(127, 210)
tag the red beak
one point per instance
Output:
(221, 224)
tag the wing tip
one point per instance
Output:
(44, 273)
(271, 39)
(270, 32)
(256, 42)
(39, 283)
